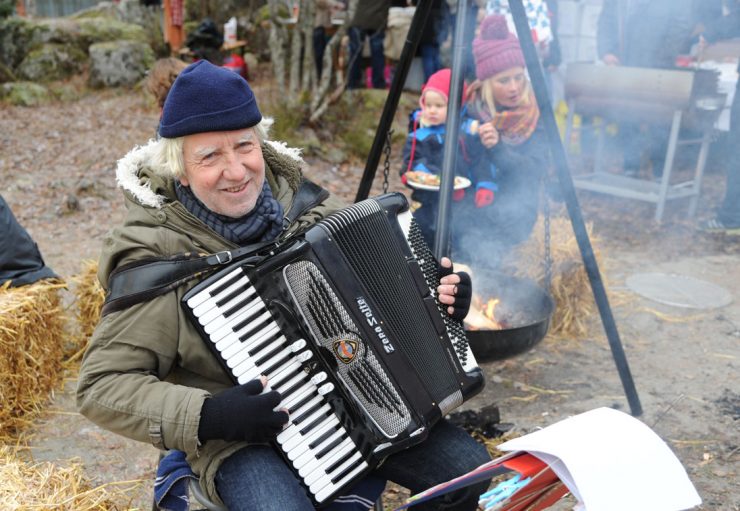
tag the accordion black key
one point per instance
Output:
(345, 323)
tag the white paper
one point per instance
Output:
(611, 461)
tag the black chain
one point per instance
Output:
(548, 255)
(387, 162)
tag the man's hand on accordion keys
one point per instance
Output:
(455, 290)
(242, 413)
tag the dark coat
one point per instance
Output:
(481, 236)
(20, 258)
(644, 33)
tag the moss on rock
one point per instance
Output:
(97, 30)
(23, 93)
(52, 62)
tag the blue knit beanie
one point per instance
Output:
(206, 98)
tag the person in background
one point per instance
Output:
(211, 183)
(20, 258)
(643, 33)
(369, 21)
(727, 219)
(552, 57)
(508, 151)
(542, 16)
(433, 35)
(323, 29)
(161, 77)
(424, 150)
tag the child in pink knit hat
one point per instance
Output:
(510, 155)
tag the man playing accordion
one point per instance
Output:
(211, 183)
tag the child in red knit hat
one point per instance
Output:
(424, 149)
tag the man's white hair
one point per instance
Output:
(169, 159)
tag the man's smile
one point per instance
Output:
(236, 189)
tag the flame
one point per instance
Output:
(482, 316)
(490, 312)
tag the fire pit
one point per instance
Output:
(521, 316)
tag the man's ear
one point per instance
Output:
(184, 181)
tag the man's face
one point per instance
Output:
(225, 170)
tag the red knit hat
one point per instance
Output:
(495, 48)
(439, 82)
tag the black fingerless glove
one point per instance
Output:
(241, 413)
(463, 294)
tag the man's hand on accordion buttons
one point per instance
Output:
(455, 290)
(242, 413)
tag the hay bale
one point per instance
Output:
(570, 287)
(32, 350)
(45, 485)
(89, 297)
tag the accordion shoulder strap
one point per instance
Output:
(146, 279)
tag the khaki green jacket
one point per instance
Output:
(147, 372)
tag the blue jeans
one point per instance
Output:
(377, 59)
(258, 478)
(430, 60)
(448, 452)
(320, 40)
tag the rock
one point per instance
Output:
(52, 62)
(131, 12)
(97, 30)
(119, 63)
(23, 93)
(71, 203)
(56, 30)
(15, 36)
(100, 10)
(334, 154)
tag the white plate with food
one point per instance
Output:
(428, 181)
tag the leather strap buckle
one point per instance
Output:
(224, 257)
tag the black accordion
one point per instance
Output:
(345, 323)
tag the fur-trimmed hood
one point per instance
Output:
(138, 179)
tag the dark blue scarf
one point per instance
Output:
(263, 223)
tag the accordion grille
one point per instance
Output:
(363, 232)
(334, 329)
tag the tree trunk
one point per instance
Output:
(276, 42)
(321, 100)
(296, 37)
(308, 74)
